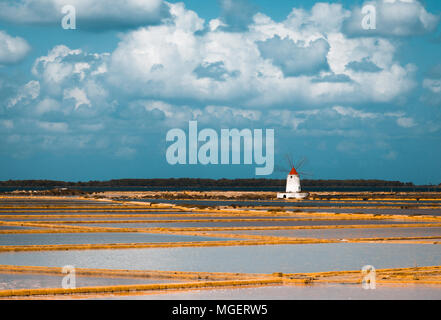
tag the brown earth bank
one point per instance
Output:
(250, 195)
(403, 276)
(232, 195)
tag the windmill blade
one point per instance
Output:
(306, 174)
(290, 161)
(301, 163)
(280, 169)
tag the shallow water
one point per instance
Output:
(15, 228)
(33, 281)
(282, 203)
(44, 202)
(434, 212)
(177, 217)
(246, 224)
(92, 238)
(250, 259)
(348, 233)
(10, 215)
(315, 292)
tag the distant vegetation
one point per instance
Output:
(188, 182)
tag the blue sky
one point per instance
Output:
(96, 103)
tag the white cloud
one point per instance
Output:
(406, 122)
(434, 85)
(53, 126)
(47, 105)
(80, 68)
(12, 49)
(312, 81)
(385, 84)
(176, 61)
(78, 95)
(170, 57)
(230, 115)
(67, 74)
(29, 91)
(53, 69)
(285, 118)
(216, 23)
(399, 117)
(91, 14)
(350, 112)
(223, 77)
(323, 18)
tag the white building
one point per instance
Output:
(293, 187)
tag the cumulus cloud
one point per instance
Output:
(269, 65)
(62, 63)
(393, 18)
(323, 17)
(272, 63)
(12, 49)
(75, 78)
(78, 95)
(371, 64)
(91, 14)
(303, 75)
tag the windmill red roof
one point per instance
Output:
(293, 172)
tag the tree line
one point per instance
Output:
(195, 182)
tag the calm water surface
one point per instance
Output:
(247, 224)
(32, 281)
(315, 292)
(346, 233)
(251, 259)
(93, 238)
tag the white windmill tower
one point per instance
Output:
(293, 185)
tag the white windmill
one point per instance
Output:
(293, 185)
